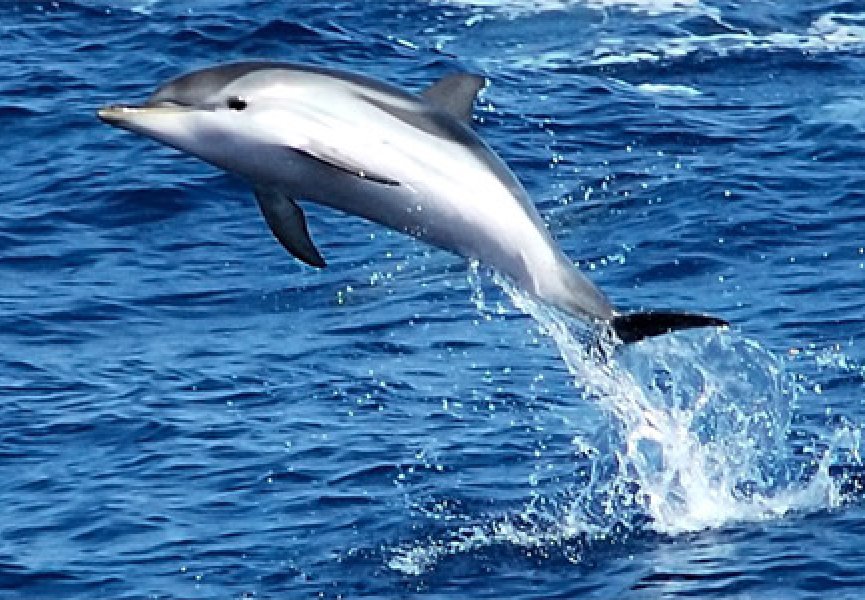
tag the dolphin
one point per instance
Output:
(410, 162)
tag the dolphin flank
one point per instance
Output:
(409, 162)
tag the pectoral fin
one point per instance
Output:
(333, 159)
(288, 224)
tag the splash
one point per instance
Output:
(698, 438)
(699, 424)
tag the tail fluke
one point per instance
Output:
(634, 327)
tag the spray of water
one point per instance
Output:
(699, 424)
(697, 437)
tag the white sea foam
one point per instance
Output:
(698, 439)
(828, 33)
(668, 89)
(652, 7)
(517, 8)
(143, 7)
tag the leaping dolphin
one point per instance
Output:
(409, 162)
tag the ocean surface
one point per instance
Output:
(189, 412)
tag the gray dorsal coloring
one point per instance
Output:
(288, 224)
(410, 163)
(455, 94)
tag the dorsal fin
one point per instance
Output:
(455, 94)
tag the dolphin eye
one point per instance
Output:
(236, 103)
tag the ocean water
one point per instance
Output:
(188, 412)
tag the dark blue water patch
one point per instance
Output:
(60, 8)
(281, 30)
(19, 578)
(11, 113)
(43, 262)
(707, 25)
(234, 36)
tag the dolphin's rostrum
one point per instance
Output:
(409, 162)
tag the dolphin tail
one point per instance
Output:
(634, 327)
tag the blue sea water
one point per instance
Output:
(188, 412)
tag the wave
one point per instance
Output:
(828, 34)
(518, 8)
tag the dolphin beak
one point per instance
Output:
(120, 115)
(115, 113)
